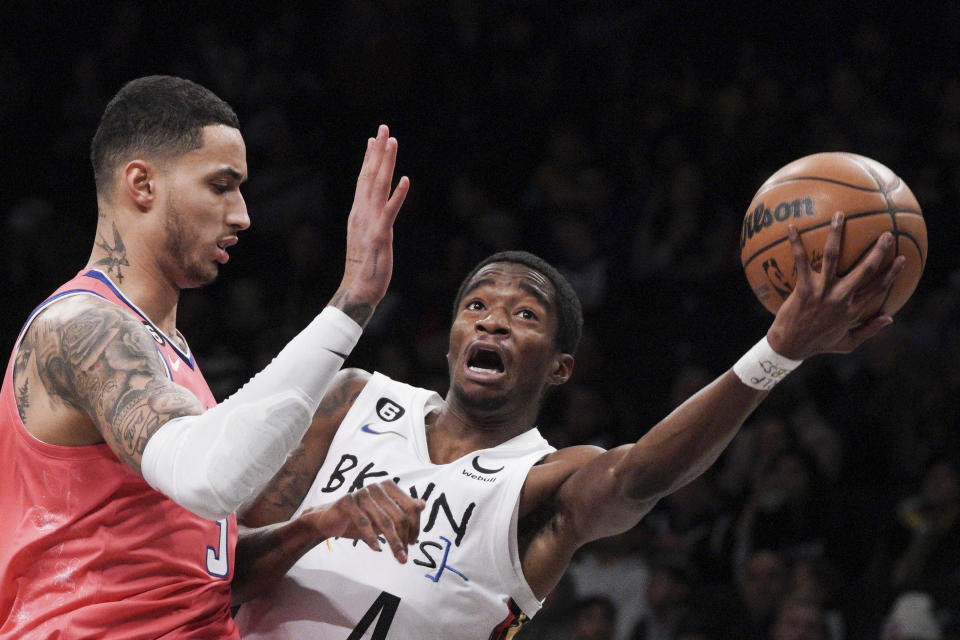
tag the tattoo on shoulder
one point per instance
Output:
(22, 393)
(339, 398)
(116, 257)
(102, 361)
(23, 400)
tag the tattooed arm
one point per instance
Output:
(282, 496)
(265, 555)
(88, 372)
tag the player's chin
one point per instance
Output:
(199, 275)
(480, 398)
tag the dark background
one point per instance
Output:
(621, 142)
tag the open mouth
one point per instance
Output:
(485, 360)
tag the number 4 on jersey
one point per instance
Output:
(385, 606)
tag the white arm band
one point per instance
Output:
(762, 368)
(212, 462)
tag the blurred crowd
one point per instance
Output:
(623, 144)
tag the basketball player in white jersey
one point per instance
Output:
(505, 512)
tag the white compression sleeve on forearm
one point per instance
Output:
(212, 462)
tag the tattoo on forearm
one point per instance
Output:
(359, 312)
(104, 363)
(287, 489)
(116, 257)
(284, 493)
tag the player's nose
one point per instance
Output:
(494, 322)
(238, 217)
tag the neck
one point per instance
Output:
(119, 254)
(456, 431)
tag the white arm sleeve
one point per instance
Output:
(212, 462)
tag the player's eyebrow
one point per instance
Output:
(476, 284)
(525, 286)
(536, 293)
(231, 172)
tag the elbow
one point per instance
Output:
(201, 500)
(206, 510)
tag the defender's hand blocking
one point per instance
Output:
(379, 509)
(369, 263)
(821, 315)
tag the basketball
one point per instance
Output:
(806, 193)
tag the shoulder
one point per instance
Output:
(550, 473)
(352, 377)
(84, 316)
(347, 385)
(74, 307)
(340, 396)
(81, 328)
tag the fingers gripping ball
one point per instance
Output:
(806, 193)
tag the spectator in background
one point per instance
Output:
(912, 618)
(789, 509)
(923, 541)
(594, 618)
(798, 619)
(762, 584)
(819, 581)
(668, 597)
(615, 569)
(695, 522)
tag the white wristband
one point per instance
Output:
(762, 368)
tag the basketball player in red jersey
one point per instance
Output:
(515, 327)
(119, 475)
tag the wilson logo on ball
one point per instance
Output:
(762, 217)
(805, 194)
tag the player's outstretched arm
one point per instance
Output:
(610, 492)
(369, 258)
(213, 463)
(367, 272)
(380, 510)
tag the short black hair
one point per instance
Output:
(570, 318)
(161, 116)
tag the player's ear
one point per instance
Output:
(139, 183)
(562, 369)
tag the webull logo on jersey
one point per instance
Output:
(444, 522)
(484, 474)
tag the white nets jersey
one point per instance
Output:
(462, 580)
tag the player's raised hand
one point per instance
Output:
(369, 261)
(823, 313)
(381, 509)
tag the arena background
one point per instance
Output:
(621, 142)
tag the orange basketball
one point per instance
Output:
(806, 193)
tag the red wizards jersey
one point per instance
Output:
(87, 548)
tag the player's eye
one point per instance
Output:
(526, 314)
(474, 305)
(220, 188)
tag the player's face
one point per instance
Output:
(502, 342)
(204, 208)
